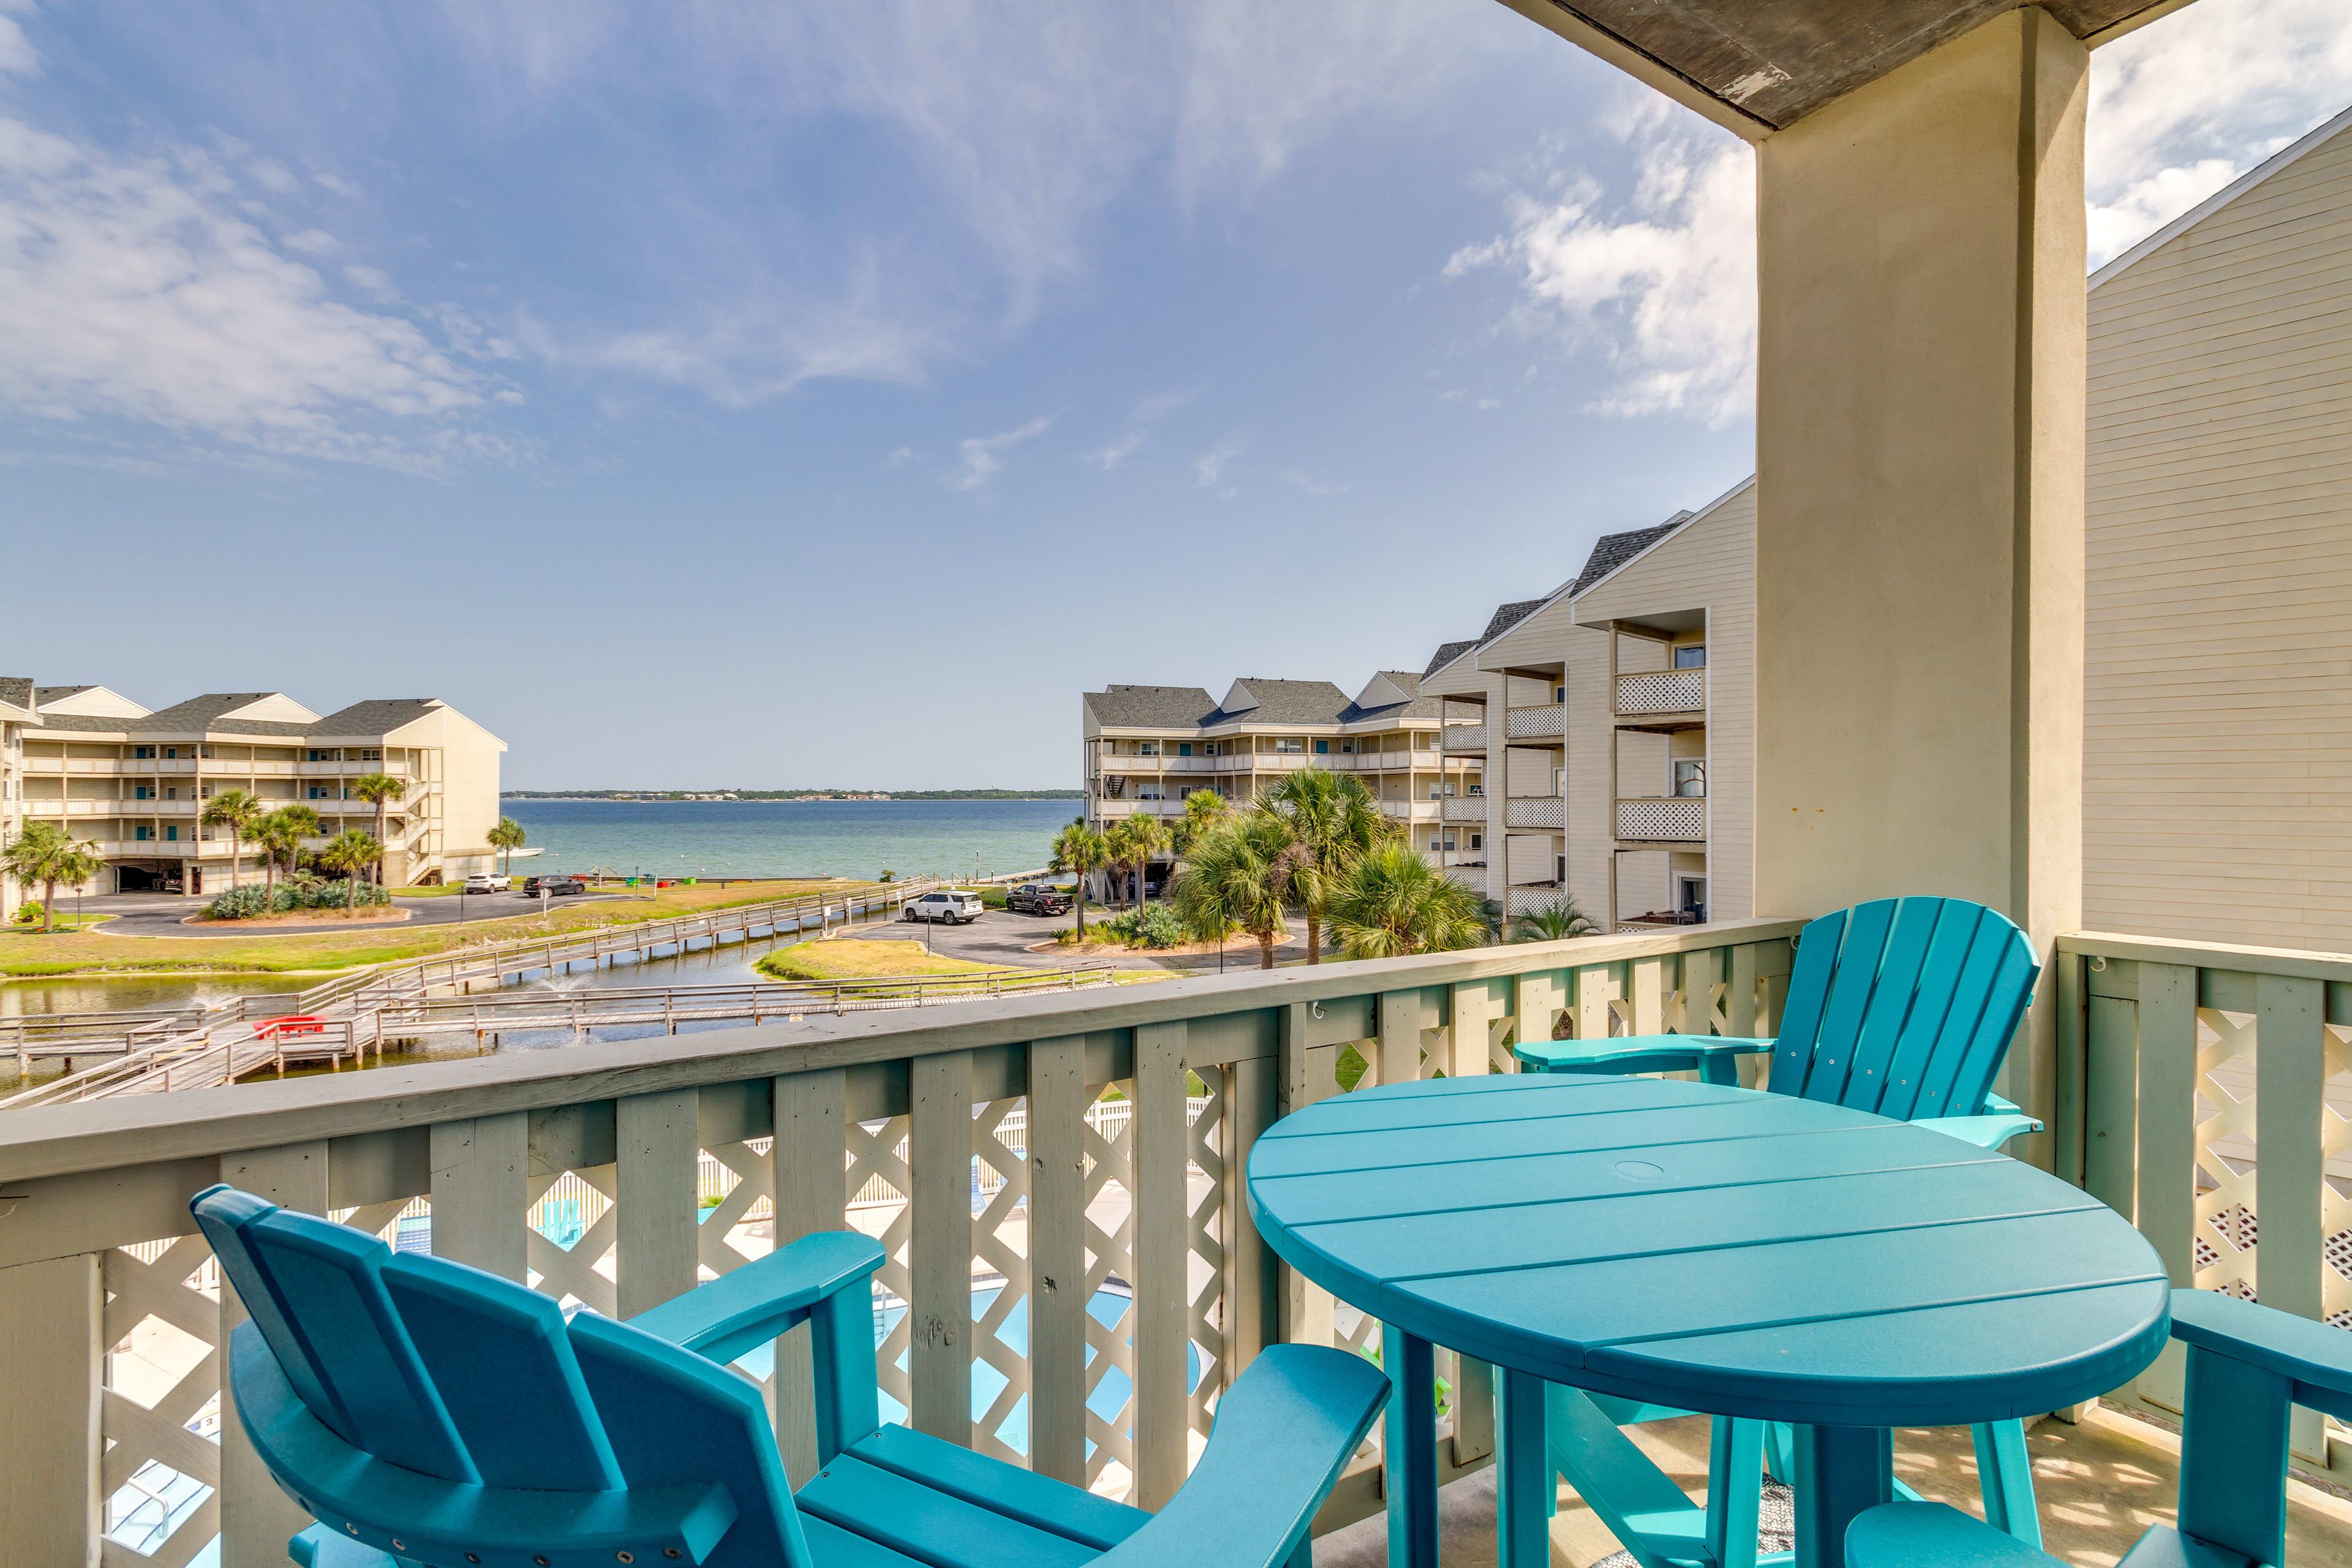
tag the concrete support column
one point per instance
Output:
(1919, 460)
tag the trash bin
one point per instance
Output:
(661, 884)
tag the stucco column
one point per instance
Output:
(1919, 461)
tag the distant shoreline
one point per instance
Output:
(738, 797)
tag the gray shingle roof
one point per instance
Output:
(16, 691)
(56, 694)
(1417, 706)
(1150, 706)
(1508, 615)
(1611, 550)
(1446, 654)
(1289, 702)
(196, 715)
(377, 716)
(87, 722)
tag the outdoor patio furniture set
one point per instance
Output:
(1811, 1265)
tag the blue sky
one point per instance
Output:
(710, 394)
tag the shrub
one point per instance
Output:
(238, 903)
(252, 900)
(1119, 927)
(1161, 928)
(28, 914)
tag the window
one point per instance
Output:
(1147, 748)
(171, 792)
(1691, 657)
(320, 754)
(142, 832)
(172, 835)
(1434, 844)
(1149, 792)
(143, 792)
(1347, 748)
(371, 754)
(1690, 776)
(1477, 841)
(143, 752)
(209, 753)
(1560, 694)
(1183, 748)
(1322, 748)
(170, 753)
(1290, 746)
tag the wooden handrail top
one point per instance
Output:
(1231, 1017)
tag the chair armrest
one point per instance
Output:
(750, 1305)
(1285, 1430)
(370, 1502)
(1623, 1053)
(2317, 1356)
(1988, 1131)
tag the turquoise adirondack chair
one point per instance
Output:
(426, 1413)
(1904, 1007)
(2246, 1365)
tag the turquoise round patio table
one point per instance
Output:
(1715, 1249)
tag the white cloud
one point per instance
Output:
(2184, 105)
(311, 242)
(1210, 466)
(16, 52)
(983, 455)
(1148, 413)
(1662, 281)
(1311, 485)
(129, 288)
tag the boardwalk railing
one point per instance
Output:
(146, 1051)
(1072, 1278)
(2204, 1092)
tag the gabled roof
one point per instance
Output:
(378, 716)
(219, 710)
(1282, 702)
(1611, 550)
(1150, 706)
(1402, 689)
(91, 702)
(16, 692)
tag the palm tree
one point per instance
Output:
(1554, 922)
(1079, 850)
(1204, 810)
(351, 852)
(508, 836)
(1392, 902)
(379, 790)
(1335, 822)
(281, 835)
(48, 854)
(237, 810)
(1136, 841)
(1240, 876)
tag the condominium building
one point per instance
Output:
(1604, 711)
(1617, 716)
(135, 780)
(1145, 748)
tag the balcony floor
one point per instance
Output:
(2099, 1485)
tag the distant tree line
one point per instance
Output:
(794, 794)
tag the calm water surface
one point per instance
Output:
(860, 838)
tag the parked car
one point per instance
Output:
(488, 882)
(554, 885)
(953, 906)
(1037, 898)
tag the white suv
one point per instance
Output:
(488, 882)
(954, 906)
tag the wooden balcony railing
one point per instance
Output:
(1465, 808)
(1535, 723)
(1662, 691)
(2202, 1091)
(1676, 819)
(1464, 737)
(1536, 811)
(1073, 1280)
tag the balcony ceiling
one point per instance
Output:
(1757, 65)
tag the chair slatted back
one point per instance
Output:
(456, 1373)
(1903, 1006)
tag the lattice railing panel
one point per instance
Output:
(160, 1412)
(572, 1241)
(1001, 1255)
(1675, 820)
(878, 1186)
(2225, 1152)
(1662, 691)
(1208, 1178)
(1111, 1261)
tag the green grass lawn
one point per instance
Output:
(852, 959)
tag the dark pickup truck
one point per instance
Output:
(1036, 899)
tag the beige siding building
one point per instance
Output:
(1619, 716)
(1145, 748)
(2218, 689)
(135, 780)
(2217, 724)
